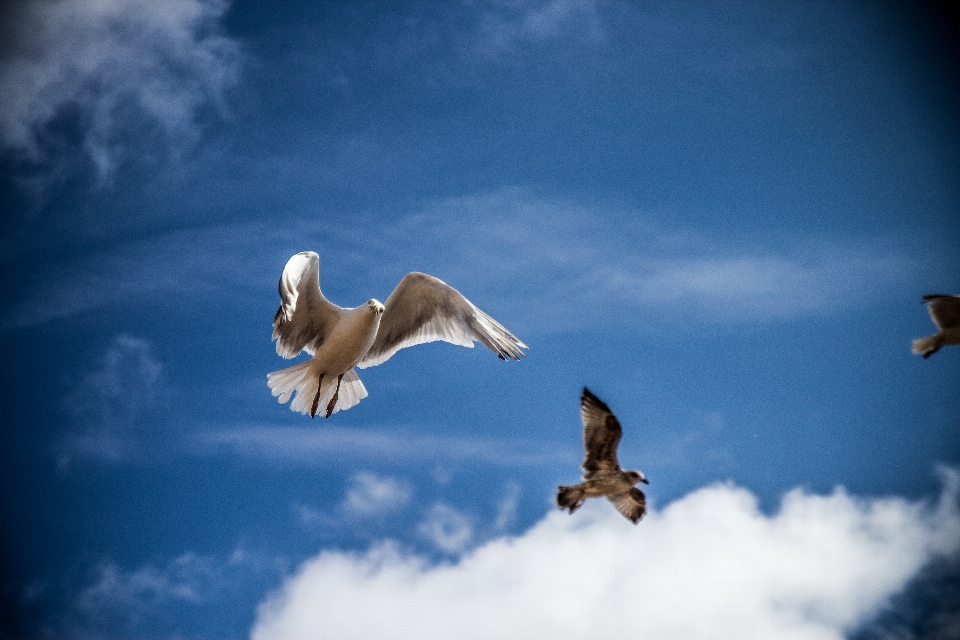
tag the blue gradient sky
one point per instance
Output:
(718, 216)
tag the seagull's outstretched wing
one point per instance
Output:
(601, 434)
(305, 317)
(424, 309)
(632, 504)
(944, 310)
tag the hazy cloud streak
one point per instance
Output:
(117, 404)
(541, 266)
(308, 445)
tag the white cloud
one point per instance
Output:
(117, 65)
(370, 494)
(507, 508)
(113, 402)
(506, 25)
(448, 529)
(308, 445)
(709, 565)
(187, 578)
(539, 265)
(158, 599)
(565, 265)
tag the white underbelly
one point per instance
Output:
(349, 341)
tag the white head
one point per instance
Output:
(374, 305)
(636, 476)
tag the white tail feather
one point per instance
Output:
(302, 380)
(352, 391)
(284, 382)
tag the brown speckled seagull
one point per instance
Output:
(603, 475)
(945, 313)
(421, 309)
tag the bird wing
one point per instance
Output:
(305, 317)
(601, 435)
(944, 310)
(632, 503)
(424, 309)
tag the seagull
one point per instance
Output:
(945, 313)
(421, 309)
(603, 477)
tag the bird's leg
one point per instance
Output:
(316, 399)
(336, 394)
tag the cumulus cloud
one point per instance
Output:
(113, 67)
(710, 565)
(369, 494)
(447, 528)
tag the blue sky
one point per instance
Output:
(720, 217)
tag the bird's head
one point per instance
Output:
(637, 476)
(375, 306)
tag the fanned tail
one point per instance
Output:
(927, 346)
(570, 497)
(352, 391)
(300, 379)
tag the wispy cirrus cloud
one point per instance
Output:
(166, 598)
(113, 72)
(542, 265)
(504, 26)
(116, 405)
(709, 565)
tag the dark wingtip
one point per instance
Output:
(588, 398)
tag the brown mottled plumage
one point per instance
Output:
(945, 313)
(603, 477)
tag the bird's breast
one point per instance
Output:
(607, 483)
(349, 341)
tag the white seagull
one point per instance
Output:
(421, 309)
(945, 313)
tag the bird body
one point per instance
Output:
(603, 475)
(421, 309)
(350, 339)
(945, 312)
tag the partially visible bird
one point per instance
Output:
(421, 309)
(603, 477)
(945, 313)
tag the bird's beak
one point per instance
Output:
(644, 481)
